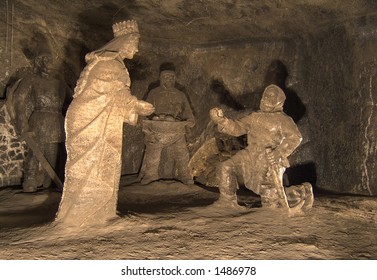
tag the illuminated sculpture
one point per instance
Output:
(271, 137)
(166, 131)
(102, 103)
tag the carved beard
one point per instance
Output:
(269, 107)
(40, 67)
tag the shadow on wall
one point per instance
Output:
(98, 32)
(30, 47)
(138, 68)
(92, 35)
(300, 173)
(224, 96)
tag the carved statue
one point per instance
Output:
(102, 103)
(35, 105)
(272, 136)
(166, 131)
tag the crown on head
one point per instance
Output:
(125, 27)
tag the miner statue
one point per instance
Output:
(271, 137)
(165, 131)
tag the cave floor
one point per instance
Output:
(169, 220)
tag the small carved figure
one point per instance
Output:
(166, 131)
(271, 136)
(102, 103)
(35, 105)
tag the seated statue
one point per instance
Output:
(166, 131)
(271, 137)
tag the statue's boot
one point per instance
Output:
(228, 189)
(228, 202)
(151, 173)
(187, 180)
(33, 174)
(30, 186)
(301, 194)
(149, 178)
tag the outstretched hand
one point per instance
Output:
(144, 108)
(217, 115)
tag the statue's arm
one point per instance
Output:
(291, 137)
(23, 105)
(131, 106)
(232, 127)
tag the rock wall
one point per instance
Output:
(364, 101)
(341, 85)
(12, 151)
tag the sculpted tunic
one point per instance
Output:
(94, 125)
(38, 104)
(171, 101)
(263, 129)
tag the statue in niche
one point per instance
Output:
(271, 137)
(165, 131)
(102, 103)
(35, 104)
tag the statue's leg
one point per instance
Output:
(181, 162)
(227, 180)
(269, 196)
(152, 162)
(32, 175)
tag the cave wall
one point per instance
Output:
(340, 81)
(12, 151)
(364, 35)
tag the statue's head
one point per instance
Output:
(167, 78)
(43, 62)
(126, 38)
(272, 99)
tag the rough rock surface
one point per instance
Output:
(12, 151)
(173, 221)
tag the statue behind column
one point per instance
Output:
(94, 124)
(165, 132)
(35, 104)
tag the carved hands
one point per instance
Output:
(273, 156)
(144, 108)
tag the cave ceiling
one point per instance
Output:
(196, 22)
